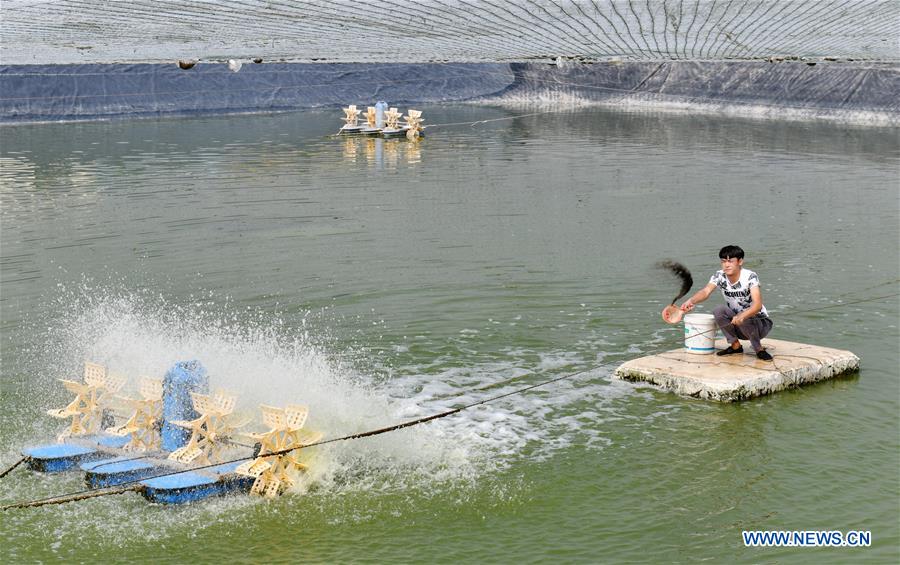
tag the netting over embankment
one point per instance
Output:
(87, 59)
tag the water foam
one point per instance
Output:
(272, 358)
(260, 356)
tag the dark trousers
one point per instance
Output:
(753, 329)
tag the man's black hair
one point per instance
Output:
(731, 252)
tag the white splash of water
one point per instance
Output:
(255, 355)
(265, 359)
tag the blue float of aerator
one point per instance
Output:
(58, 457)
(188, 486)
(122, 469)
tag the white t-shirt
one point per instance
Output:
(737, 295)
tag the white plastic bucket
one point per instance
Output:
(700, 333)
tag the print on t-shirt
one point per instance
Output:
(737, 295)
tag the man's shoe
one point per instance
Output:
(764, 355)
(730, 350)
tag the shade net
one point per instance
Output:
(104, 31)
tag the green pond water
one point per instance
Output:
(379, 281)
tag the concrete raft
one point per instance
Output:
(739, 377)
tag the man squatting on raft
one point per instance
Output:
(743, 315)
